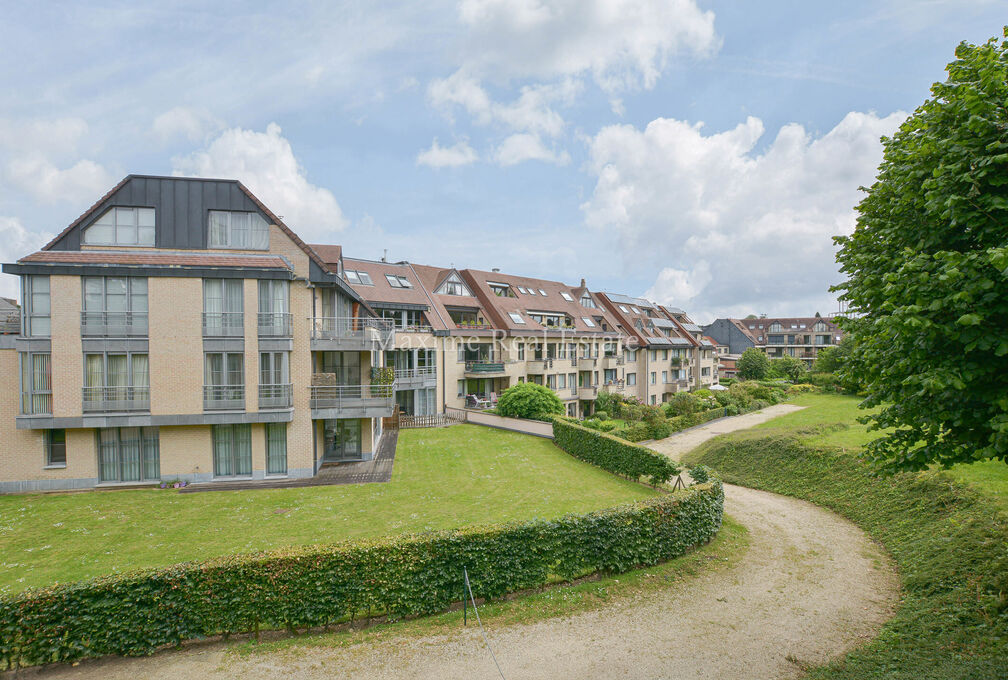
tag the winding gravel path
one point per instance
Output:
(810, 587)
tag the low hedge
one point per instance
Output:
(612, 453)
(135, 614)
(948, 541)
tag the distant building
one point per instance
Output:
(799, 337)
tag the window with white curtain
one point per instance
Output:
(237, 230)
(36, 300)
(122, 227)
(36, 384)
(232, 450)
(276, 448)
(274, 307)
(128, 454)
(223, 307)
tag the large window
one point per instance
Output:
(36, 384)
(114, 305)
(276, 448)
(55, 441)
(128, 454)
(116, 382)
(122, 227)
(238, 230)
(274, 380)
(223, 307)
(232, 450)
(345, 365)
(224, 380)
(274, 307)
(453, 286)
(36, 298)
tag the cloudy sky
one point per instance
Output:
(702, 153)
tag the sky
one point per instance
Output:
(700, 153)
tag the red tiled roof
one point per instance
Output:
(330, 254)
(156, 259)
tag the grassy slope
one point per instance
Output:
(442, 478)
(951, 549)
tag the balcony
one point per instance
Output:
(537, 366)
(586, 363)
(113, 324)
(615, 386)
(612, 361)
(274, 396)
(350, 401)
(223, 324)
(588, 392)
(414, 375)
(351, 333)
(115, 399)
(223, 397)
(274, 325)
(484, 366)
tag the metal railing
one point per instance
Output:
(419, 372)
(223, 397)
(275, 396)
(586, 361)
(36, 403)
(275, 324)
(588, 391)
(339, 396)
(488, 365)
(108, 398)
(223, 324)
(362, 328)
(117, 324)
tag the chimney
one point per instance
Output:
(384, 257)
(495, 270)
(583, 283)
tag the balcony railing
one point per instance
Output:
(274, 324)
(586, 362)
(367, 329)
(588, 392)
(223, 324)
(275, 396)
(489, 365)
(223, 397)
(114, 324)
(473, 326)
(420, 372)
(36, 403)
(115, 399)
(340, 396)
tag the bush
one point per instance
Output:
(592, 423)
(752, 365)
(528, 400)
(601, 415)
(613, 454)
(787, 367)
(947, 542)
(682, 403)
(637, 432)
(136, 613)
(700, 474)
(659, 430)
(608, 402)
(607, 426)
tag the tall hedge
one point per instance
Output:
(135, 614)
(612, 453)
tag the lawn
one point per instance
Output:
(831, 420)
(443, 477)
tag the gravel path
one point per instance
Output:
(811, 586)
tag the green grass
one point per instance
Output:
(949, 542)
(443, 478)
(725, 551)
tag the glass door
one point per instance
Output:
(342, 440)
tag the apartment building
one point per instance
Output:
(178, 329)
(799, 337)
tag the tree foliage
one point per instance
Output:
(787, 367)
(528, 400)
(752, 365)
(927, 274)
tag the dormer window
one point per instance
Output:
(122, 227)
(453, 286)
(776, 328)
(501, 289)
(586, 301)
(397, 281)
(237, 230)
(567, 297)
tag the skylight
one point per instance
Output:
(358, 277)
(516, 317)
(397, 281)
(567, 297)
(588, 322)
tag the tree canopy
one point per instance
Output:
(927, 274)
(752, 365)
(528, 400)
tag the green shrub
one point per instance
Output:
(608, 402)
(946, 539)
(700, 474)
(136, 613)
(592, 423)
(659, 430)
(607, 426)
(528, 400)
(636, 432)
(613, 454)
(682, 403)
(601, 415)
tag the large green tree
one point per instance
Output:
(752, 365)
(927, 274)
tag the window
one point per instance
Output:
(461, 388)
(547, 319)
(453, 286)
(635, 310)
(567, 297)
(36, 298)
(551, 382)
(542, 292)
(654, 377)
(501, 289)
(232, 450)
(116, 382)
(631, 378)
(664, 355)
(55, 443)
(397, 281)
(624, 309)
(586, 301)
(521, 351)
(239, 230)
(562, 381)
(588, 322)
(223, 307)
(114, 305)
(276, 448)
(128, 454)
(36, 384)
(224, 380)
(664, 377)
(523, 289)
(274, 380)
(274, 307)
(652, 400)
(516, 317)
(122, 227)
(358, 277)
(775, 327)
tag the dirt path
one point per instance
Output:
(811, 586)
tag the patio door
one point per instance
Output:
(342, 440)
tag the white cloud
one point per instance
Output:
(42, 135)
(16, 242)
(180, 121)
(82, 182)
(447, 156)
(733, 228)
(527, 147)
(621, 43)
(265, 163)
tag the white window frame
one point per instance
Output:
(136, 214)
(567, 297)
(516, 317)
(588, 322)
(256, 238)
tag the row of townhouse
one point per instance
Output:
(799, 337)
(179, 330)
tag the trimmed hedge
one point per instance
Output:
(135, 614)
(612, 453)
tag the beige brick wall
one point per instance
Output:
(67, 358)
(299, 432)
(176, 344)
